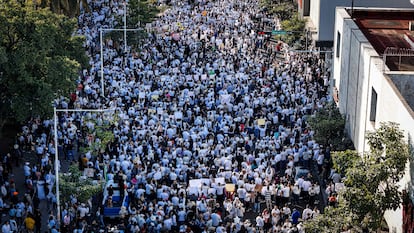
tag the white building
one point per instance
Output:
(369, 91)
(321, 15)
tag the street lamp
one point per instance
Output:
(352, 9)
(55, 110)
(125, 26)
(102, 61)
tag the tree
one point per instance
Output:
(101, 133)
(284, 10)
(371, 184)
(343, 160)
(141, 12)
(70, 8)
(329, 124)
(40, 60)
(296, 26)
(333, 220)
(74, 183)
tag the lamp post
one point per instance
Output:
(56, 166)
(352, 8)
(102, 61)
(55, 111)
(125, 26)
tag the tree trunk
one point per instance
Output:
(2, 123)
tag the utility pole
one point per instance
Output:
(352, 8)
(125, 26)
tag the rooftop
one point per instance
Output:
(389, 29)
(405, 85)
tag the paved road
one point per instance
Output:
(19, 178)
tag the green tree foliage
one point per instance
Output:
(141, 12)
(74, 183)
(286, 12)
(282, 9)
(371, 184)
(296, 26)
(343, 160)
(328, 124)
(101, 133)
(70, 8)
(333, 220)
(39, 59)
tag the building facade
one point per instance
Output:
(373, 71)
(321, 15)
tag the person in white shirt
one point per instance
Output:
(286, 212)
(83, 210)
(259, 222)
(6, 228)
(307, 213)
(220, 191)
(295, 194)
(241, 193)
(286, 190)
(305, 189)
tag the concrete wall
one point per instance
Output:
(391, 107)
(357, 70)
(314, 14)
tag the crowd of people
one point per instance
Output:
(210, 126)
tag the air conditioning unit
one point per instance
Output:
(411, 26)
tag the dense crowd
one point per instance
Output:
(211, 127)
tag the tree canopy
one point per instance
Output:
(141, 12)
(296, 27)
(283, 9)
(40, 59)
(75, 183)
(329, 124)
(371, 183)
(70, 8)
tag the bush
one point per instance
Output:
(329, 125)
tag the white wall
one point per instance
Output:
(391, 107)
(357, 70)
(314, 14)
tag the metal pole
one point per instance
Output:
(102, 64)
(352, 9)
(85, 110)
(56, 168)
(57, 151)
(125, 26)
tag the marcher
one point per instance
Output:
(198, 102)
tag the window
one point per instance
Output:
(338, 43)
(306, 8)
(373, 112)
